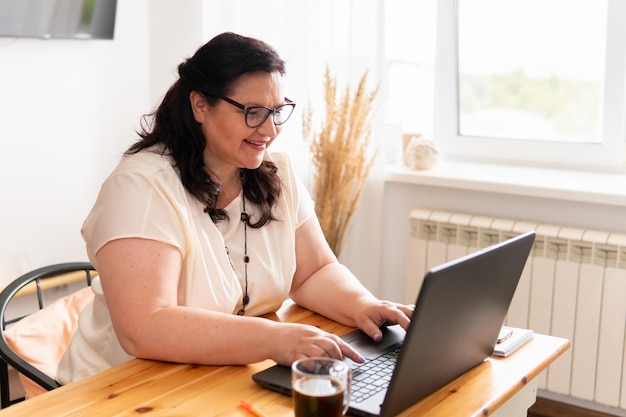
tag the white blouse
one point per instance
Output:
(144, 197)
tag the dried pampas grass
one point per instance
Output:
(341, 155)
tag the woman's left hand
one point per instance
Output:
(375, 314)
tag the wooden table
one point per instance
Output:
(153, 388)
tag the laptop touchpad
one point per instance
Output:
(369, 349)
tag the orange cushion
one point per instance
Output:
(42, 337)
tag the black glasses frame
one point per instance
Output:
(273, 112)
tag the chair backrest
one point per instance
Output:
(34, 283)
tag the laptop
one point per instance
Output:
(458, 316)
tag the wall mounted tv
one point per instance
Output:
(66, 19)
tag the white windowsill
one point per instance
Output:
(589, 187)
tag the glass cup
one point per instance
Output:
(320, 387)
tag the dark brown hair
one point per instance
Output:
(212, 71)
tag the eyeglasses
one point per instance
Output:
(255, 116)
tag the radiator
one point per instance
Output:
(573, 286)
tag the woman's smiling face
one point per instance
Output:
(230, 143)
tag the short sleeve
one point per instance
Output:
(142, 198)
(306, 205)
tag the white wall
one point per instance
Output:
(176, 32)
(68, 109)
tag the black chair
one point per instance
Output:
(7, 355)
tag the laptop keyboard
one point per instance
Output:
(374, 375)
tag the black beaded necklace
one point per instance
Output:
(246, 259)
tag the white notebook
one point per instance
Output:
(515, 340)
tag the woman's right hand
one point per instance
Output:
(292, 341)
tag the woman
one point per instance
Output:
(200, 229)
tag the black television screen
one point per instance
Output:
(67, 19)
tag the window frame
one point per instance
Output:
(607, 156)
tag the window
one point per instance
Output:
(533, 82)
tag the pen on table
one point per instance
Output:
(252, 409)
